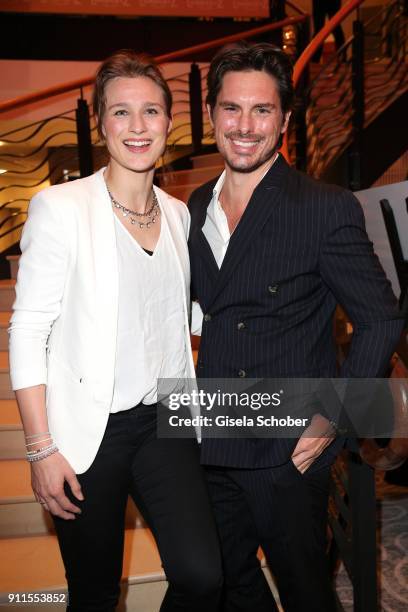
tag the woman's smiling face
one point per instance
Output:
(135, 124)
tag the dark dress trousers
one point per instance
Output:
(299, 249)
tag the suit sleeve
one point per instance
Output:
(349, 266)
(39, 290)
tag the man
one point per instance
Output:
(272, 253)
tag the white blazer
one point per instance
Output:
(64, 323)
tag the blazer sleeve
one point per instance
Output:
(349, 266)
(39, 290)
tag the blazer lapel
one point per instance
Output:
(177, 234)
(178, 238)
(103, 238)
(257, 213)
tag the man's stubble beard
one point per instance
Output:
(260, 162)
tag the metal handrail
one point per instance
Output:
(381, 86)
(315, 44)
(321, 36)
(38, 125)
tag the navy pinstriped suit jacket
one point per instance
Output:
(299, 249)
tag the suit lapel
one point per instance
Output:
(259, 208)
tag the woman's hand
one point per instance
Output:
(47, 480)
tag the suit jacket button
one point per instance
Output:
(241, 373)
(241, 325)
(273, 289)
(207, 317)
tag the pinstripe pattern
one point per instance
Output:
(299, 249)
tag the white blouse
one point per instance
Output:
(151, 334)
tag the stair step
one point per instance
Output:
(15, 482)
(210, 159)
(9, 415)
(7, 294)
(5, 384)
(24, 519)
(182, 192)
(4, 362)
(34, 564)
(184, 177)
(11, 431)
(4, 323)
(13, 261)
(21, 515)
(12, 444)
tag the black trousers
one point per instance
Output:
(166, 481)
(285, 512)
(321, 9)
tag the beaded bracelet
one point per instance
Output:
(40, 450)
(43, 455)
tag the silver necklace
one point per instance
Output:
(151, 214)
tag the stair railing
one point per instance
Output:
(357, 83)
(298, 151)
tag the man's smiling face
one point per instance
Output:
(248, 119)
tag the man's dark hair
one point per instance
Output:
(244, 56)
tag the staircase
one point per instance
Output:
(348, 105)
(182, 183)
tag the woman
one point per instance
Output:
(101, 313)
